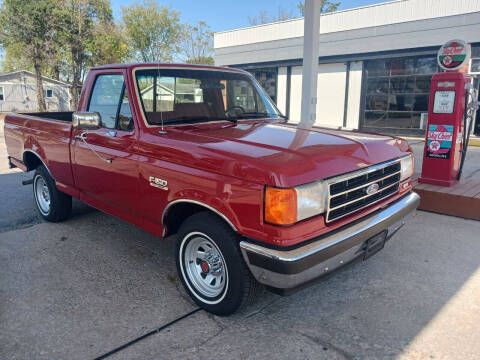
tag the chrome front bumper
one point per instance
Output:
(288, 269)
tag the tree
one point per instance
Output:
(108, 45)
(31, 27)
(152, 31)
(261, 18)
(326, 6)
(197, 44)
(15, 59)
(79, 21)
(264, 18)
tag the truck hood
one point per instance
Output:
(284, 155)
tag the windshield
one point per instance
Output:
(177, 96)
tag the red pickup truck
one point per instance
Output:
(203, 152)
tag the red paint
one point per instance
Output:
(223, 165)
(440, 163)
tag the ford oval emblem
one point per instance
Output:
(372, 189)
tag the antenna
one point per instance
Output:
(162, 130)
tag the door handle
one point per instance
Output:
(83, 137)
(111, 133)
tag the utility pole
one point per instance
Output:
(311, 35)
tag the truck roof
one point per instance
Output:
(176, 65)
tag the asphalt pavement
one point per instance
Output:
(81, 288)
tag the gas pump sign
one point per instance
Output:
(444, 102)
(453, 55)
(439, 141)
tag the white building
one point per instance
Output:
(18, 92)
(375, 62)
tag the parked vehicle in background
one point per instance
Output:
(203, 153)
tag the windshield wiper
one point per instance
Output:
(253, 114)
(260, 115)
(187, 119)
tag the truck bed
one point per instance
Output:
(60, 115)
(45, 137)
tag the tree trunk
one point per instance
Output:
(76, 73)
(40, 95)
(56, 71)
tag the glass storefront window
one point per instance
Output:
(426, 65)
(475, 51)
(404, 66)
(397, 91)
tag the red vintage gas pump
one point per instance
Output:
(449, 97)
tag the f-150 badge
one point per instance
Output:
(158, 183)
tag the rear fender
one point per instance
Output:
(32, 151)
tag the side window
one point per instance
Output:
(125, 118)
(105, 98)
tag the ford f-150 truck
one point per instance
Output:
(202, 152)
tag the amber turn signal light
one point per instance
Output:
(280, 206)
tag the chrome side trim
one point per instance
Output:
(43, 162)
(169, 205)
(366, 228)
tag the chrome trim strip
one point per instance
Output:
(364, 185)
(365, 229)
(43, 162)
(197, 203)
(361, 198)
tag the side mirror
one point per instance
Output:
(86, 120)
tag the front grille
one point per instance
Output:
(347, 194)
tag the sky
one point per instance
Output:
(224, 15)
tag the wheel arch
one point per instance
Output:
(177, 211)
(32, 160)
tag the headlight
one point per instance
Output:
(288, 206)
(406, 167)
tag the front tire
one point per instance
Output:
(52, 204)
(211, 267)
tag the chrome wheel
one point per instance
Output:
(42, 194)
(204, 265)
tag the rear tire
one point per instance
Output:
(211, 267)
(52, 204)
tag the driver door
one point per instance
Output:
(104, 161)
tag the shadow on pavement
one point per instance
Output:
(17, 208)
